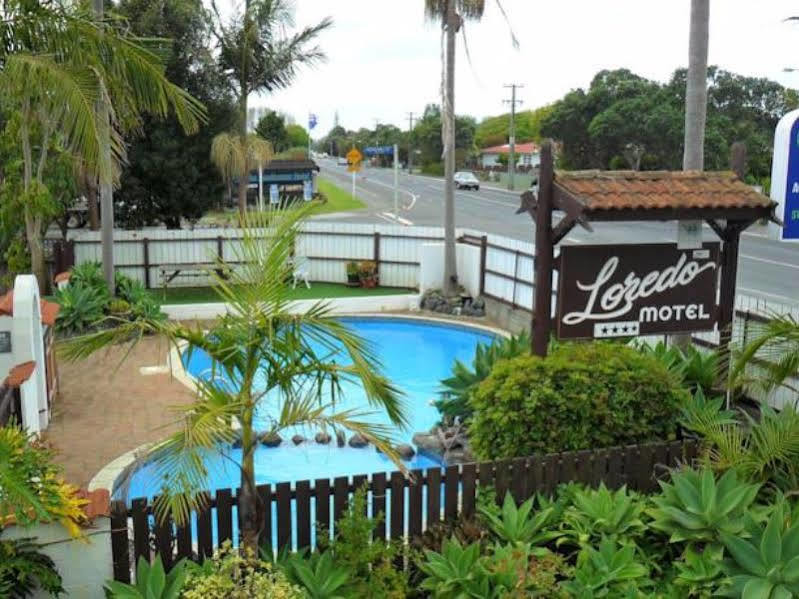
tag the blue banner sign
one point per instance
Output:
(785, 176)
(379, 150)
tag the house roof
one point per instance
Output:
(19, 374)
(525, 148)
(49, 309)
(615, 194)
(282, 166)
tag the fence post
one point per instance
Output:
(146, 242)
(376, 252)
(119, 541)
(483, 254)
(219, 248)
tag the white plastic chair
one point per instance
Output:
(300, 272)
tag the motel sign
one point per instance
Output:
(628, 290)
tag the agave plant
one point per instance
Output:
(152, 582)
(609, 571)
(598, 513)
(318, 574)
(700, 574)
(697, 369)
(457, 388)
(456, 572)
(517, 526)
(767, 564)
(702, 415)
(696, 508)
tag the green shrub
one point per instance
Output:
(24, 569)
(231, 575)
(459, 387)
(118, 307)
(89, 275)
(370, 564)
(81, 307)
(433, 168)
(581, 396)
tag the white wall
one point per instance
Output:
(6, 359)
(467, 259)
(84, 565)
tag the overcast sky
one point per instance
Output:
(384, 59)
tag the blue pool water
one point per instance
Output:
(415, 355)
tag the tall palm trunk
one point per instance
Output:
(696, 87)
(244, 176)
(450, 283)
(251, 518)
(105, 189)
(695, 102)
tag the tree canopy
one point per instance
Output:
(169, 175)
(494, 130)
(624, 120)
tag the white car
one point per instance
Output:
(466, 180)
(342, 161)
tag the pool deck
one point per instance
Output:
(105, 410)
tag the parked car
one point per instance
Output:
(342, 161)
(466, 180)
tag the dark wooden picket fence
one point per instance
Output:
(410, 505)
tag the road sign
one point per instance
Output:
(379, 150)
(785, 177)
(354, 156)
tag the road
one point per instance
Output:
(767, 269)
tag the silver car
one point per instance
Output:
(466, 180)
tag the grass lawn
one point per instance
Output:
(199, 295)
(338, 199)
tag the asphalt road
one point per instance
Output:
(767, 268)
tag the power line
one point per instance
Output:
(512, 133)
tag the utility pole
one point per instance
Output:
(104, 188)
(410, 144)
(512, 137)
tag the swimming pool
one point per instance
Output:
(416, 354)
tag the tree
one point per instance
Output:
(494, 131)
(233, 155)
(261, 56)
(272, 128)
(57, 65)
(297, 136)
(169, 175)
(271, 355)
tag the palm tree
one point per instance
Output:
(58, 65)
(774, 351)
(452, 14)
(233, 155)
(263, 354)
(695, 102)
(254, 47)
(696, 87)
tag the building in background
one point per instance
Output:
(527, 156)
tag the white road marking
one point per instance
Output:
(767, 261)
(774, 295)
(399, 219)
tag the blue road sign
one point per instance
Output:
(379, 150)
(311, 121)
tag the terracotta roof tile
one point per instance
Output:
(62, 276)
(99, 502)
(7, 304)
(49, 312)
(523, 148)
(19, 374)
(631, 190)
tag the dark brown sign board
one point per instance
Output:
(629, 290)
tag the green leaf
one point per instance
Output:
(771, 542)
(745, 554)
(757, 588)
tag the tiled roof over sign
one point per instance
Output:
(643, 190)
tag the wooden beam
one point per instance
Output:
(544, 254)
(729, 274)
(717, 228)
(661, 214)
(562, 229)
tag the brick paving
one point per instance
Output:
(105, 409)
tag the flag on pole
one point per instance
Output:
(311, 121)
